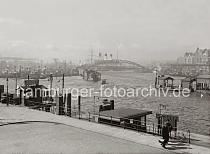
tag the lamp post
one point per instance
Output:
(51, 80)
(28, 79)
(7, 87)
(94, 104)
(156, 78)
(15, 82)
(63, 84)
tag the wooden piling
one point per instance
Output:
(60, 106)
(0, 93)
(79, 105)
(21, 94)
(22, 97)
(112, 104)
(69, 104)
(63, 84)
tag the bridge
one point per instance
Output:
(115, 64)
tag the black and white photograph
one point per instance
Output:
(104, 76)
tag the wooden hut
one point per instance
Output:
(189, 83)
(125, 117)
(171, 82)
(203, 82)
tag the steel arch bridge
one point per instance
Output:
(115, 64)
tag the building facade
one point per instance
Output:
(200, 56)
(197, 62)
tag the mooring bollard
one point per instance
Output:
(112, 104)
(69, 105)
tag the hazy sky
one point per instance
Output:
(142, 30)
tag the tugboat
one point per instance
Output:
(91, 75)
(103, 82)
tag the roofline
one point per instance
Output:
(137, 115)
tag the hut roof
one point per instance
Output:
(165, 78)
(203, 77)
(125, 113)
(33, 87)
(171, 77)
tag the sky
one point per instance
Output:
(138, 30)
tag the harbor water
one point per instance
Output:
(193, 111)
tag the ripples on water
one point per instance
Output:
(193, 111)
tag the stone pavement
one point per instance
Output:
(54, 138)
(14, 114)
